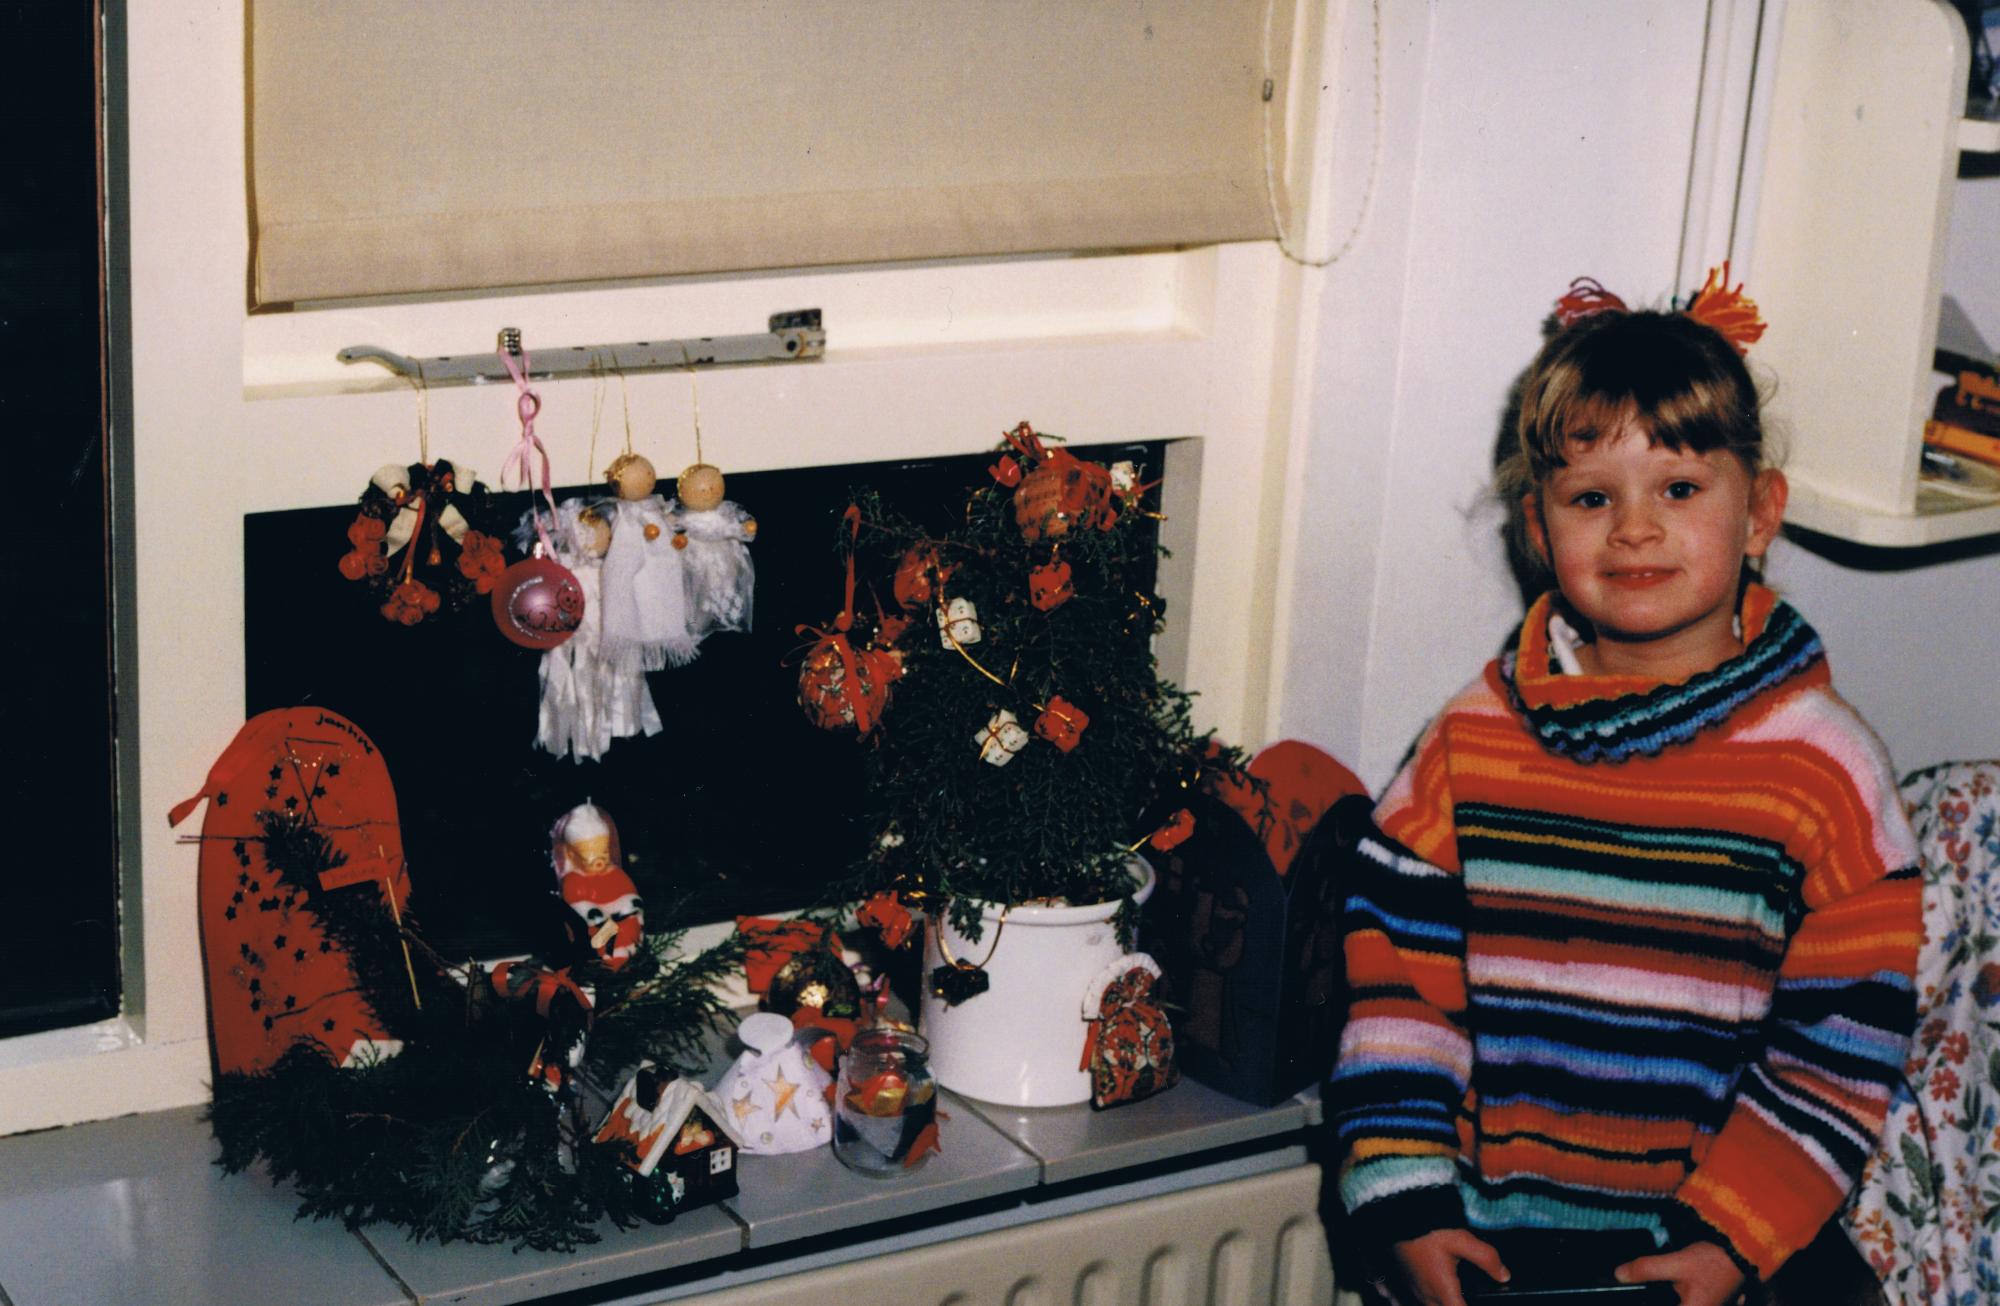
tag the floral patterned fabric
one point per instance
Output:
(1927, 1214)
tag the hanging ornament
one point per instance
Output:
(1049, 585)
(588, 698)
(1062, 490)
(1061, 723)
(840, 685)
(713, 536)
(958, 623)
(645, 586)
(1001, 739)
(412, 536)
(1125, 476)
(537, 602)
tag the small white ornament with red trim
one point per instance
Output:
(1001, 739)
(958, 623)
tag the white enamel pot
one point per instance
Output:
(1020, 1043)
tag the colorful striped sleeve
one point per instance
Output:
(1809, 1110)
(1405, 1059)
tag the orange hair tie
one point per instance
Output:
(1726, 310)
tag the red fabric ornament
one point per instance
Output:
(1062, 723)
(889, 917)
(1129, 1051)
(1049, 586)
(1727, 310)
(537, 603)
(1174, 833)
(1007, 471)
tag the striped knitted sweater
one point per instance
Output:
(1629, 955)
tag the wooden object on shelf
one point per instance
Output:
(1867, 125)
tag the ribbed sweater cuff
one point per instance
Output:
(1685, 1225)
(1406, 1215)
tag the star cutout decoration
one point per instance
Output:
(742, 1107)
(782, 1092)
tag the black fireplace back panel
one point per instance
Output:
(740, 803)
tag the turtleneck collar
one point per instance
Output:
(1592, 718)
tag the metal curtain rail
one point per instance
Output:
(792, 336)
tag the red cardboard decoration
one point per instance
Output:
(272, 975)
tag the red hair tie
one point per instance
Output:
(1586, 299)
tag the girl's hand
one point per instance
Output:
(1701, 1273)
(1430, 1265)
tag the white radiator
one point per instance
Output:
(1246, 1242)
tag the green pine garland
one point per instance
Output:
(1049, 824)
(449, 1138)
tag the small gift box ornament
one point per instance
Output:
(775, 1096)
(1050, 586)
(958, 623)
(680, 1147)
(1129, 1051)
(1061, 723)
(1001, 739)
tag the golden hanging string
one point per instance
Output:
(694, 402)
(957, 963)
(423, 390)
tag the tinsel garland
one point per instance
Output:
(450, 1138)
(1055, 823)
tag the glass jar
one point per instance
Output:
(885, 1109)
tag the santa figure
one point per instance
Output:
(591, 876)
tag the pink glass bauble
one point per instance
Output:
(537, 603)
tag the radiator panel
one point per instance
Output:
(1246, 1242)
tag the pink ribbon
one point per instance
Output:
(528, 404)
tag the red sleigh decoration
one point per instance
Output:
(273, 976)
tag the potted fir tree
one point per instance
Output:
(1020, 750)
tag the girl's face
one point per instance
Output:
(1648, 545)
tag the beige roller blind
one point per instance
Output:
(434, 145)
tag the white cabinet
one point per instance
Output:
(1867, 126)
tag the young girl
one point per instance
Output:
(1633, 948)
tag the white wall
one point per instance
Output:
(1529, 143)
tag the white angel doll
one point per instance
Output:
(714, 537)
(588, 697)
(645, 594)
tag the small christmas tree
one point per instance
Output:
(1019, 743)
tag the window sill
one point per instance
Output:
(134, 1210)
